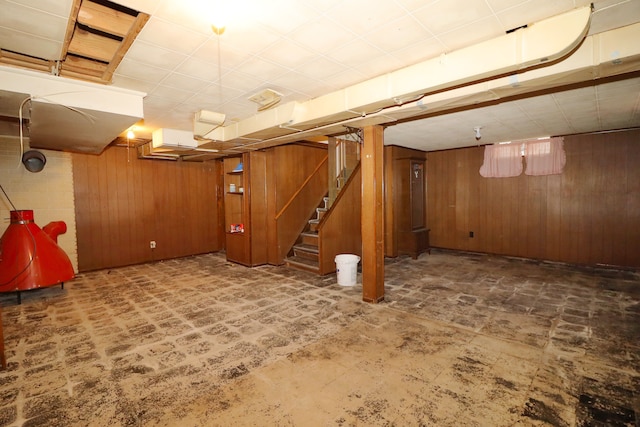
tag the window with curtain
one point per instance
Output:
(501, 161)
(543, 156)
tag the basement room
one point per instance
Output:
(320, 213)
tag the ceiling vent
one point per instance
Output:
(205, 121)
(266, 99)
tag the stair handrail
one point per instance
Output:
(299, 190)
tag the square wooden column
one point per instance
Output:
(372, 214)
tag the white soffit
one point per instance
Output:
(72, 93)
(97, 114)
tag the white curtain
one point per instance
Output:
(545, 157)
(501, 161)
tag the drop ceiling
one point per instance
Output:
(304, 49)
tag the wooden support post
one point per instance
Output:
(372, 215)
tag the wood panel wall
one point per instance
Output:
(340, 231)
(122, 203)
(294, 193)
(588, 215)
(392, 194)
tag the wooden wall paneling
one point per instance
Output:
(297, 195)
(273, 250)
(122, 207)
(620, 168)
(83, 209)
(533, 214)
(518, 234)
(495, 215)
(122, 203)
(632, 246)
(110, 208)
(573, 184)
(136, 204)
(339, 230)
(603, 197)
(552, 221)
(390, 235)
(586, 215)
(462, 198)
(437, 204)
(477, 194)
(148, 219)
(259, 223)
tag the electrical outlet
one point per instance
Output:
(152, 244)
(471, 234)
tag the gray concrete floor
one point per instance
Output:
(460, 340)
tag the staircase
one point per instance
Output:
(304, 254)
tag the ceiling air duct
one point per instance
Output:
(205, 121)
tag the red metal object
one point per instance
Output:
(30, 257)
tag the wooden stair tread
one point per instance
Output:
(306, 247)
(302, 264)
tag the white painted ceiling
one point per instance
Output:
(308, 48)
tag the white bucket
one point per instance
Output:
(347, 269)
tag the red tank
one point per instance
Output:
(30, 257)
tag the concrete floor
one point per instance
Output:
(461, 340)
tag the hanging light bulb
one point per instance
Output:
(130, 134)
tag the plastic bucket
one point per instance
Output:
(347, 269)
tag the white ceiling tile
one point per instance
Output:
(524, 14)
(177, 95)
(34, 21)
(344, 79)
(301, 84)
(208, 52)
(60, 8)
(125, 82)
(211, 98)
(320, 67)
(140, 71)
(287, 51)
(444, 16)
(322, 36)
(420, 51)
(500, 5)
(154, 55)
(30, 45)
(249, 41)
(477, 32)
(181, 81)
(355, 52)
(158, 103)
(240, 81)
(362, 16)
(379, 66)
(166, 35)
(260, 68)
(612, 14)
(285, 16)
(397, 34)
(198, 69)
(412, 5)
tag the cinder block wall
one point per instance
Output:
(48, 193)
